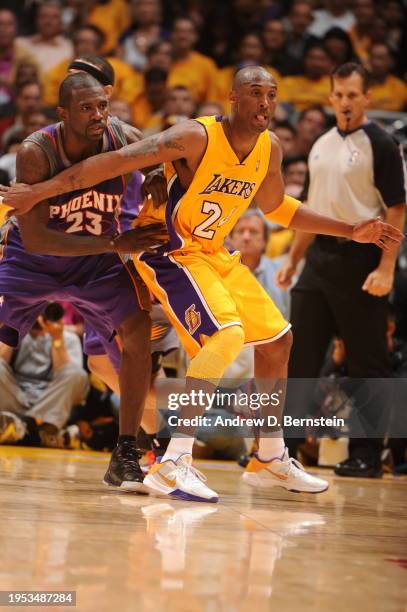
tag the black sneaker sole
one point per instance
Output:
(128, 485)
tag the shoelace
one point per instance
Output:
(188, 470)
(130, 455)
(294, 463)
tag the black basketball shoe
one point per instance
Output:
(124, 471)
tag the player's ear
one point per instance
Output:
(62, 113)
(108, 90)
(232, 96)
(368, 96)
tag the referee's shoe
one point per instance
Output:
(359, 467)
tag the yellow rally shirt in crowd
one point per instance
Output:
(113, 18)
(199, 74)
(391, 95)
(301, 92)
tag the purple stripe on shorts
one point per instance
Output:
(182, 296)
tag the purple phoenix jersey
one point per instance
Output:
(102, 289)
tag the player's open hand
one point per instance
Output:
(377, 232)
(145, 238)
(19, 196)
(156, 186)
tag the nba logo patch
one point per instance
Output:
(192, 319)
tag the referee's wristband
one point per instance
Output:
(283, 214)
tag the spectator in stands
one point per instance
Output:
(113, 18)
(147, 109)
(392, 12)
(287, 135)
(335, 14)
(360, 33)
(121, 109)
(313, 86)
(295, 171)
(209, 108)
(274, 38)
(28, 100)
(179, 105)
(195, 71)
(344, 285)
(14, 136)
(144, 31)
(159, 55)
(339, 46)
(40, 382)
(387, 92)
(88, 41)
(250, 52)
(26, 71)
(312, 122)
(11, 56)
(47, 47)
(298, 38)
(8, 160)
(250, 236)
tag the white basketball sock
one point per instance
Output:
(271, 446)
(178, 446)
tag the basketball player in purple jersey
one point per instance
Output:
(94, 279)
(104, 360)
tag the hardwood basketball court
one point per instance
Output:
(62, 529)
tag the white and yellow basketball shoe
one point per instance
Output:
(285, 472)
(179, 480)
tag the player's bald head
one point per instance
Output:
(251, 75)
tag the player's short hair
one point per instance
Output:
(346, 70)
(96, 66)
(72, 82)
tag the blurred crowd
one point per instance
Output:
(175, 59)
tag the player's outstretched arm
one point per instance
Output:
(32, 166)
(290, 213)
(184, 140)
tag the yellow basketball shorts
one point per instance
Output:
(202, 293)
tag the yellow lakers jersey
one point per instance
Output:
(201, 217)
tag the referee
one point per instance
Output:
(356, 172)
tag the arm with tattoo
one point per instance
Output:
(185, 140)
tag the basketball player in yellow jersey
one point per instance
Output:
(216, 167)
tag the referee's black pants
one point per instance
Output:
(328, 300)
